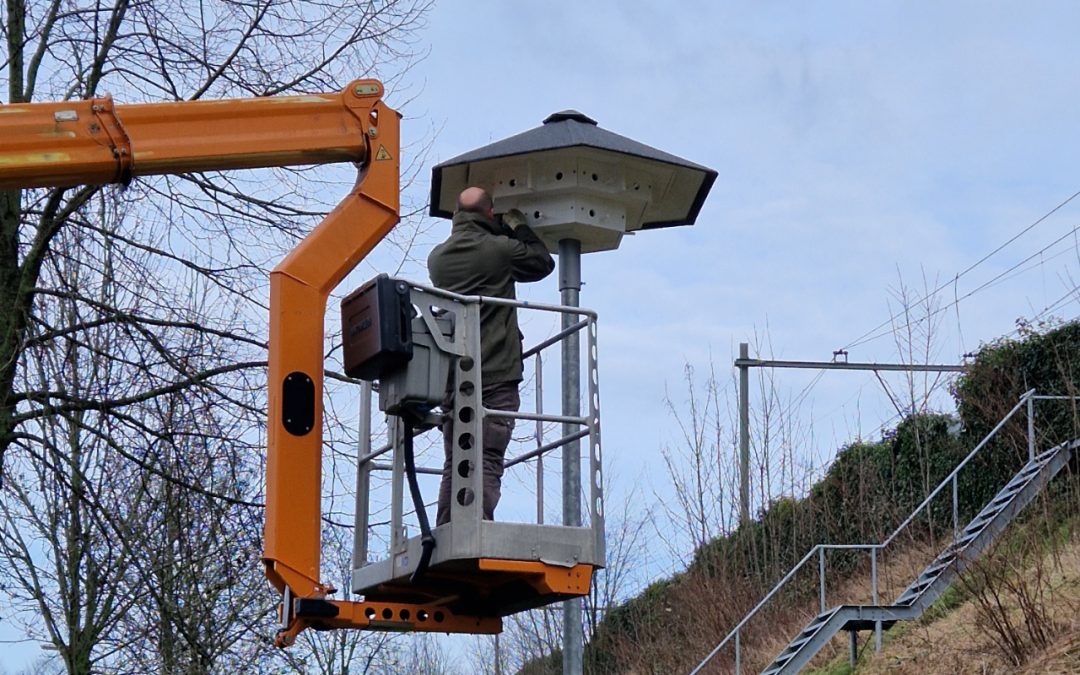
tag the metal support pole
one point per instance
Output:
(854, 657)
(570, 290)
(1031, 428)
(744, 435)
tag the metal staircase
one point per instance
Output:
(965, 548)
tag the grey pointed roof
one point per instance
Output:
(568, 129)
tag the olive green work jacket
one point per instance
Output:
(482, 257)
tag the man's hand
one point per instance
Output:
(514, 218)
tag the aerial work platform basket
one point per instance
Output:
(477, 568)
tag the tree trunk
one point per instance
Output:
(10, 322)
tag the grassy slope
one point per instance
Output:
(869, 488)
(950, 639)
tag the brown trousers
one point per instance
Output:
(497, 430)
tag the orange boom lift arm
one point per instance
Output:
(96, 141)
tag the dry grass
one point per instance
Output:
(954, 644)
(776, 625)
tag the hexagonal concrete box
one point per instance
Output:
(574, 180)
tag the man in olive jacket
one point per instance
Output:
(485, 257)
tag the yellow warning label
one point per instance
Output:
(382, 154)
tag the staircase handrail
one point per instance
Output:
(1025, 399)
(951, 478)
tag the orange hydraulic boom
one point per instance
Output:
(97, 141)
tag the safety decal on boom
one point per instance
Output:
(382, 154)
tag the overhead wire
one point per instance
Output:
(872, 334)
(1002, 276)
(1071, 294)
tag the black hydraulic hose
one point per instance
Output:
(427, 540)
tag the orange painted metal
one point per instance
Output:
(299, 288)
(546, 579)
(478, 592)
(390, 616)
(96, 141)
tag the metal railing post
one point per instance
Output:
(738, 655)
(874, 596)
(821, 576)
(539, 439)
(363, 482)
(1031, 425)
(596, 482)
(398, 538)
(955, 506)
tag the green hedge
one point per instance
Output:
(1002, 371)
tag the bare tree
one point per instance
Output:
(694, 467)
(915, 329)
(221, 228)
(627, 559)
(132, 340)
(703, 466)
(65, 509)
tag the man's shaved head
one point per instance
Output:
(475, 200)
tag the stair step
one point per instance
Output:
(786, 655)
(807, 633)
(960, 543)
(820, 619)
(1031, 469)
(1005, 497)
(794, 645)
(804, 637)
(1022, 477)
(937, 567)
(1047, 455)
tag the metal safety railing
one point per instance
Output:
(819, 552)
(576, 427)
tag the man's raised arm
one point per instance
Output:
(529, 257)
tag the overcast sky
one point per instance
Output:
(858, 145)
